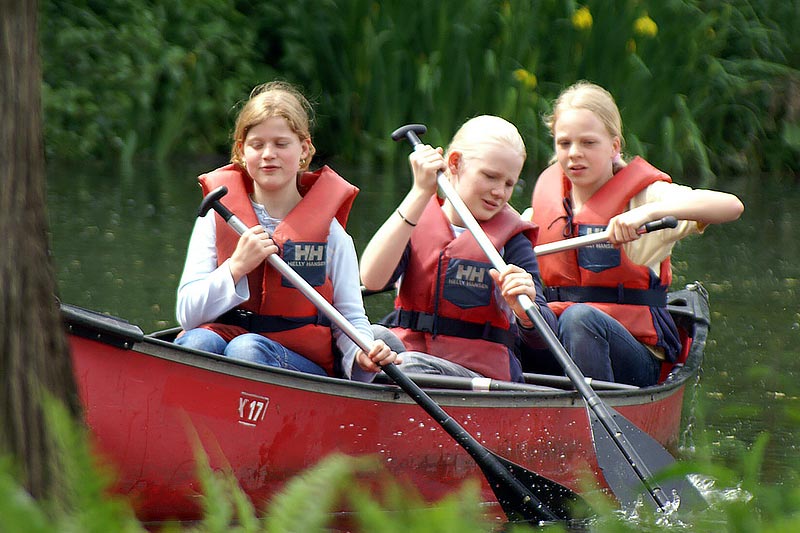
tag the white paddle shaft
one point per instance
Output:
(309, 292)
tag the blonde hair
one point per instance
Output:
(592, 97)
(472, 136)
(274, 99)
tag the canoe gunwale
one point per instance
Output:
(688, 306)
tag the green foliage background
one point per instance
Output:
(706, 88)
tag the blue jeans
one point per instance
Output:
(250, 347)
(603, 349)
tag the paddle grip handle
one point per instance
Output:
(212, 201)
(664, 223)
(410, 132)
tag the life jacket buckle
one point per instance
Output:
(425, 322)
(243, 318)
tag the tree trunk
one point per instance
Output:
(34, 355)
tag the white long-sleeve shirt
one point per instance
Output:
(206, 291)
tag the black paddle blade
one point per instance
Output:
(519, 492)
(626, 484)
(554, 498)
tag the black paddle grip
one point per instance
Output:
(410, 132)
(666, 222)
(212, 201)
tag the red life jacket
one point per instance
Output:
(602, 275)
(276, 309)
(447, 305)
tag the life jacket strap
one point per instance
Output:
(438, 325)
(610, 295)
(256, 323)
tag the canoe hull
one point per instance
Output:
(151, 406)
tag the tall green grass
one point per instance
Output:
(705, 88)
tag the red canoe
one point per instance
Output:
(147, 401)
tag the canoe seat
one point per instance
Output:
(689, 308)
(668, 368)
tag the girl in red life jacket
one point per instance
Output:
(230, 300)
(611, 298)
(454, 314)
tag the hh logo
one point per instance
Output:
(252, 408)
(309, 252)
(590, 229)
(467, 284)
(470, 273)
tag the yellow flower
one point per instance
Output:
(527, 79)
(646, 26)
(505, 9)
(582, 19)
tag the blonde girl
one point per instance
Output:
(454, 314)
(611, 298)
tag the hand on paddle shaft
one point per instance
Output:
(626, 468)
(515, 282)
(523, 495)
(255, 243)
(601, 236)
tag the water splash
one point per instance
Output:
(707, 487)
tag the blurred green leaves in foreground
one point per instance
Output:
(739, 500)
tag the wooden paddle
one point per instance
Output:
(627, 455)
(523, 495)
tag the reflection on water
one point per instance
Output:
(119, 243)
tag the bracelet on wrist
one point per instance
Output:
(412, 224)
